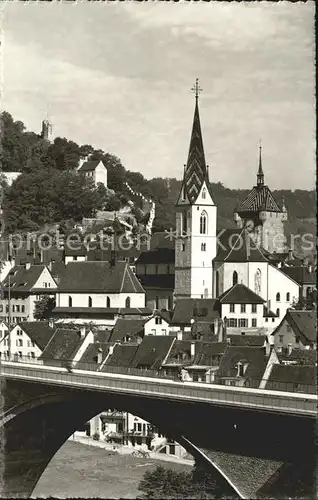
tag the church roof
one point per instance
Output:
(259, 199)
(196, 171)
(241, 248)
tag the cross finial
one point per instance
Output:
(196, 89)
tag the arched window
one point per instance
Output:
(277, 312)
(235, 278)
(90, 302)
(203, 223)
(287, 296)
(127, 303)
(108, 302)
(204, 194)
(70, 301)
(257, 281)
(278, 297)
(217, 284)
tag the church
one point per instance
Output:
(209, 260)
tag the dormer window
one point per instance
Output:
(126, 338)
(240, 369)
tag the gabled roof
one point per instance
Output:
(99, 277)
(131, 327)
(22, 279)
(295, 374)
(122, 355)
(206, 351)
(300, 356)
(161, 240)
(303, 323)
(247, 340)
(63, 345)
(242, 248)
(201, 309)
(259, 199)
(152, 351)
(38, 331)
(180, 353)
(158, 256)
(90, 354)
(240, 294)
(254, 356)
(89, 166)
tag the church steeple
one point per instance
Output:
(260, 174)
(196, 171)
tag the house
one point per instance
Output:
(22, 287)
(155, 271)
(192, 315)
(99, 292)
(298, 329)
(293, 378)
(27, 339)
(67, 345)
(247, 340)
(242, 309)
(95, 170)
(152, 352)
(305, 276)
(158, 323)
(126, 330)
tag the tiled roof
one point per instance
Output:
(242, 248)
(300, 356)
(157, 281)
(131, 327)
(99, 277)
(161, 240)
(247, 340)
(90, 354)
(122, 355)
(158, 256)
(63, 344)
(295, 374)
(180, 353)
(57, 270)
(259, 199)
(206, 352)
(225, 240)
(101, 335)
(38, 331)
(89, 166)
(301, 274)
(143, 311)
(240, 294)
(75, 249)
(201, 309)
(254, 356)
(204, 329)
(152, 351)
(22, 279)
(304, 324)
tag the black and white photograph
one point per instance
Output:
(158, 249)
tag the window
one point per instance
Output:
(195, 377)
(273, 319)
(183, 245)
(107, 302)
(153, 332)
(172, 449)
(22, 309)
(235, 278)
(70, 302)
(163, 332)
(20, 354)
(139, 427)
(19, 343)
(243, 323)
(203, 247)
(297, 340)
(232, 322)
(287, 297)
(32, 355)
(204, 194)
(254, 308)
(127, 302)
(278, 297)
(126, 338)
(19, 331)
(277, 312)
(17, 308)
(240, 369)
(254, 322)
(281, 339)
(243, 308)
(158, 320)
(90, 302)
(232, 308)
(203, 223)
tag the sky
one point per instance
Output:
(118, 75)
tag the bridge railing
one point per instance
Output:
(262, 384)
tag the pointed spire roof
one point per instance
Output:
(196, 171)
(260, 173)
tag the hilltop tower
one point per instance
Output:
(46, 132)
(196, 213)
(262, 216)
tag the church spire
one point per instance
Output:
(260, 174)
(195, 171)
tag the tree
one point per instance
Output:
(44, 307)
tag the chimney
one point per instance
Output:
(289, 349)
(82, 331)
(99, 356)
(49, 266)
(51, 323)
(192, 350)
(310, 268)
(27, 265)
(179, 335)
